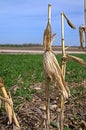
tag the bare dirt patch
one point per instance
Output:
(39, 48)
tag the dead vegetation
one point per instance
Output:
(31, 115)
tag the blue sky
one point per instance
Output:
(24, 21)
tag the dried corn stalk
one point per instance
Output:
(66, 57)
(51, 67)
(81, 35)
(8, 105)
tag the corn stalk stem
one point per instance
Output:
(47, 82)
(47, 103)
(63, 72)
(63, 46)
(49, 13)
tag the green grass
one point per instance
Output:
(25, 67)
(24, 70)
(76, 72)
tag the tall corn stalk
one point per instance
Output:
(51, 68)
(47, 39)
(64, 58)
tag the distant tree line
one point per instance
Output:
(20, 45)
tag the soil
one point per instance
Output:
(31, 114)
(40, 48)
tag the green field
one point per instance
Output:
(23, 70)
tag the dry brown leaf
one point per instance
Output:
(79, 60)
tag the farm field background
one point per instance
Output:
(21, 71)
(29, 68)
(37, 49)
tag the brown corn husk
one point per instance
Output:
(79, 60)
(53, 71)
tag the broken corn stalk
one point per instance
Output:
(8, 105)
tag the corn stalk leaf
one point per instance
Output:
(69, 23)
(79, 60)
